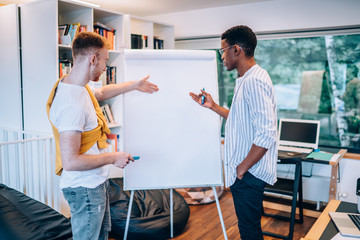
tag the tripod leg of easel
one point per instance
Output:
(220, 215)
(128, 215)
(171, 214)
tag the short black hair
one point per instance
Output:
(243, 36)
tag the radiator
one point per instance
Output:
(27, 164)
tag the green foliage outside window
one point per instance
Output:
(314, 78)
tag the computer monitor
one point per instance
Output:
(299, 133)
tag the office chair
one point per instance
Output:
(290, 187)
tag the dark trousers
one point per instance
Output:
(248, 201)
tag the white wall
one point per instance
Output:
(264, 16)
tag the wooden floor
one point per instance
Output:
(204, 222)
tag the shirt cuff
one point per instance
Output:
(265, 141)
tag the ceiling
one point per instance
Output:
(144, 8)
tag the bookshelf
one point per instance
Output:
(166, 33)
(115, 21)
(145, 27)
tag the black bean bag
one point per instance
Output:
(22, 217)
(150, 213)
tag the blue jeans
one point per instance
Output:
(90, 211)
(248, 201)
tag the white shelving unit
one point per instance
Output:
(143, 26)
(165, 32)
(69, 13)
(113, 20)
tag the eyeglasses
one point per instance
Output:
(222, 50)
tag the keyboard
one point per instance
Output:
(294, 149)
(356, 219)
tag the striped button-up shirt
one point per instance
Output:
(252, 120)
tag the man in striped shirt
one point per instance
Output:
(250, 133)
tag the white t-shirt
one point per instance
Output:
(73, 110)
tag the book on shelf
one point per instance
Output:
(103, 26)
(145, 41)
(67, 32)
(111, 75)
(63, 29)
(113, 142)
(64, 67)
(158, 43)
(139, 41)
(82, 28)
(61, 32)
(106, 32)
(107, 113)
(74, 30)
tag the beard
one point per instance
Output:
(228, 66)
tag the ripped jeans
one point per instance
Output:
(90, 211)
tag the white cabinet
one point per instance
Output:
(10, 77)
(349, 173)
(39, 60)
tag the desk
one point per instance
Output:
(334, 169)
(324, 228)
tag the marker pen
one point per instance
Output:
(203, 98)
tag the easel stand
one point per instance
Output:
(171, 214)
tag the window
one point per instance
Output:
(315, 78)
